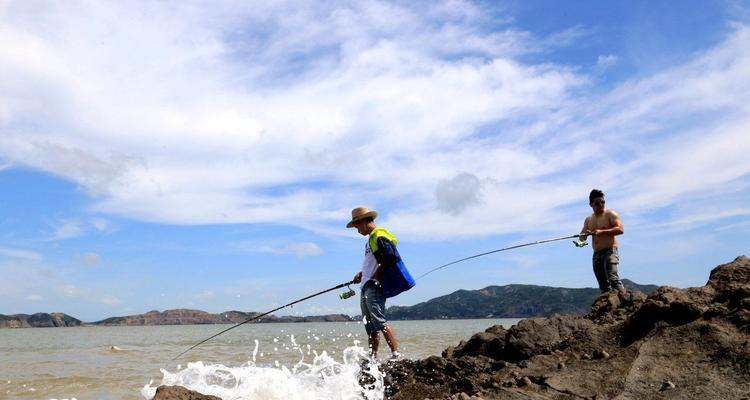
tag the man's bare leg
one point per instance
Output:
(374, 342)
(390, 337)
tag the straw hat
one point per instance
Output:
(361, 213)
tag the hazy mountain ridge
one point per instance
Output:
(38, 320)
(198, 317)
(167, 317)
(509, 301)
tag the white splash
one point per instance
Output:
(324, 378)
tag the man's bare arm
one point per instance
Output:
(584, 231)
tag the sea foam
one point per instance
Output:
(323, 378)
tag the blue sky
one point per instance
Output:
(195, 155)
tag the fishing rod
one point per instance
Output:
(345, 295)
(578, 244)
(351, 293)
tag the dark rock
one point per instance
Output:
(697, 336)
(667, 385)
(180, 393)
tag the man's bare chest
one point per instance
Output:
(599, 222)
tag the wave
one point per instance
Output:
(324, 378)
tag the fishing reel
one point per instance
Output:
(580, 244)
(346, 295)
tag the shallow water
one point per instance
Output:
(254, 361)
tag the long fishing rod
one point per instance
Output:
(348, 294)
(499, 250)
(351, 293)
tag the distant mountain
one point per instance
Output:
(509, 301)
(167, 317)
(197, 317)
(38, 320)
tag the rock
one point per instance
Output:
(599, 354)
(667, 385)
(490, 343)
(697, 336)
(180, 393)
(525, 381)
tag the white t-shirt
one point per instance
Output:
(369, 265)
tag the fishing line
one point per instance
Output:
(497, 251)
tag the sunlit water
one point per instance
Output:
(254, 361)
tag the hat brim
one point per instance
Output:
(373, 214)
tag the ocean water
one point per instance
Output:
(253, 361)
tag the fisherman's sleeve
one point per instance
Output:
(387, 255)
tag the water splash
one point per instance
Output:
(323, 378)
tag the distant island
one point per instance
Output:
(167, 317)
(509, 301)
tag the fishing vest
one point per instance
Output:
(394, 279)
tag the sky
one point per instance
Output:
(207, 155)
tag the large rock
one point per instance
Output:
(180, 393)
(675, 343)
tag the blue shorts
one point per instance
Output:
(372, 303)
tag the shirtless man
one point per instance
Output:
(604, 224)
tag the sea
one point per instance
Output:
(317, 360)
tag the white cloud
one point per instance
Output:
(67, 229)
(75, 227)
(89, 259)
(20, 254)
(290, 113)
(102, 225)
(301, 249)
(606, 61)
(456, 194)
(34, 297)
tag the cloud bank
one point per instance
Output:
(293, 113)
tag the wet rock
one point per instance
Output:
(180, 393)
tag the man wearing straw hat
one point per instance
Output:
(383, 275)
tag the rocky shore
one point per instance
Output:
(675, 343)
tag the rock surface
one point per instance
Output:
(180, 393)
(675, 343)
